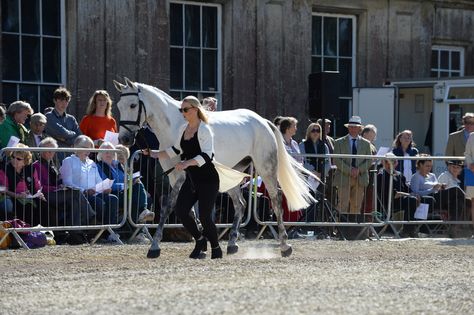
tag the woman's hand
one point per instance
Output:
(182, 166)
(108, 191)
(156, 154)
(41, 196)
(90, 191)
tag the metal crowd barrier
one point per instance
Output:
(446, 209)
(157, 184)
(56, 217)
(369, 212)
(327, 211)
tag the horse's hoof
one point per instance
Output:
(232, 249)
(155, 253)
(287, 253)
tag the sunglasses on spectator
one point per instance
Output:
(18, 159)
(185, 109)
(316, 130)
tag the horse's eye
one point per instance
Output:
(133, 105)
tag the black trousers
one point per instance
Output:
(205, 192)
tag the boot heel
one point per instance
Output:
(198, 248)
(216, 253)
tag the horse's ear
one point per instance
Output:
(130, 83)
(119, 86)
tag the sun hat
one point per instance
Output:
(354, 121)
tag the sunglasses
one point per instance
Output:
(185, 109)
(316, 130)
(18, 159)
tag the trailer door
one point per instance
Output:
(376, 106)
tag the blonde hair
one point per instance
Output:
(106, 145)
(92, 106)
(124, 152)
(311, 127)
(26, 155)
(194, 102)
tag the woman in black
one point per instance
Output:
(196, 147)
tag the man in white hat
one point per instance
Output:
(352, 176)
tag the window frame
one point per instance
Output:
(200, 93)
(62, 46)
(449, 49)
(338, 57)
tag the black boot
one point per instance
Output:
(201, 246)
(216, 252)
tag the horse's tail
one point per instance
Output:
(291, 176)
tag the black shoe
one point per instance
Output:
(201, 245)
(216, 252)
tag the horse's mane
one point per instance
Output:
(160, 93)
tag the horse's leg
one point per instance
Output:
(239, 207)
(155, 250)
(276, 199)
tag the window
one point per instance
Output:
(333, 47)
(447, 61)
(32, 51)
(194, 50)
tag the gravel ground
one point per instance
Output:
(432, 276)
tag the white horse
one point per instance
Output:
(241, 137)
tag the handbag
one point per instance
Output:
(5, 244)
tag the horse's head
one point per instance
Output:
(132, 111)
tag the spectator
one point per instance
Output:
(369, 133)
(13, 125)
(469, 160)
(98, 117)
(450, 179)
(68, 206)
(60, 125)
(327, 130)
(288, 127)
(352, 175)
(110, 167)
(277, 120)
(36, 134)
(404, 146)
(6, 204)
(78, 171)
(21, 182)
(402, 199)
(312, 144)
(210, 104)
(424, 183)
(150, 169)
(457, 140)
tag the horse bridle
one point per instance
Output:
(141, 106)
